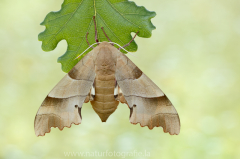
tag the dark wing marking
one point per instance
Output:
(148, 105)
(62, 106)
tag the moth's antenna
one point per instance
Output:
(119, 46)
(86, 50)
(94, 20)
(106, 35)
(122, 48)
(129, 41)
(87, 40)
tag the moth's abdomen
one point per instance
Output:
(104, 102)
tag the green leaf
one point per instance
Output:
(118, 18)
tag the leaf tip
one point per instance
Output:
(42, 23)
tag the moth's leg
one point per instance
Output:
(87, 98)
(118, 95)
(91, 95)
(129, 41)
(116, 91)
(96, 39)
(88, 42)
(106, 35)
(121, 96)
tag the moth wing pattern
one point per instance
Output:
(148, 105)
(62, 106)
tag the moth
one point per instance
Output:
(104, 77)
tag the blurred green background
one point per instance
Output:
(193, 56)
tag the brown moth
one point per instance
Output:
(105, 77)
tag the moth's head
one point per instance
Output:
(105, 43)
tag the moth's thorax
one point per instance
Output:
(105, 63)
(106, 54)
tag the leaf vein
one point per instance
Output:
(121, 14)
(59, 17)
(66, 22)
